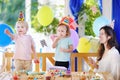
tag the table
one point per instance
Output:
(5, 76)
(73, 76)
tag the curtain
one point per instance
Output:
(75, 6)
(100, 5)
(116, 17)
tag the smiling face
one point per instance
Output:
(103, 37)
(21, 27)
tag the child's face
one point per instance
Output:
(61, 31)
(21, 29)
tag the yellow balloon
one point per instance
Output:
(83, 45)
(94, 45)
(45, 15)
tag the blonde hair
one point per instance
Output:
(67, 27)
(23, 23)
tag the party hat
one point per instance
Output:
(21, 16)
(65, 21)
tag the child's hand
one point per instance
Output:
(62, 49)
(57, 38)
(6, 31)
(53, 36)
(36, 61)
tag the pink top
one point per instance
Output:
(23, 44)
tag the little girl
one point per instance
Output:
(24, 45)
(63, 45)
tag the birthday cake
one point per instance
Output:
(57, 70)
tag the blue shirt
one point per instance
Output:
(63, 43)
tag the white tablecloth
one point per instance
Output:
(5, 76)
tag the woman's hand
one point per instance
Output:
(93, 63)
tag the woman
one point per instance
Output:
(109, 57)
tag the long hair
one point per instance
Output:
(110, 43)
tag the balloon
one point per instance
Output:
(74, 37)
(83, 45)
(94, 44)
(4, 38)
(45, 15)
(98, 23)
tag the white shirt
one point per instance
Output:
(111, 63)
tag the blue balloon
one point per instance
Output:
(98, 23)
(4, 38)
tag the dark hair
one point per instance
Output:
(111, 42)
